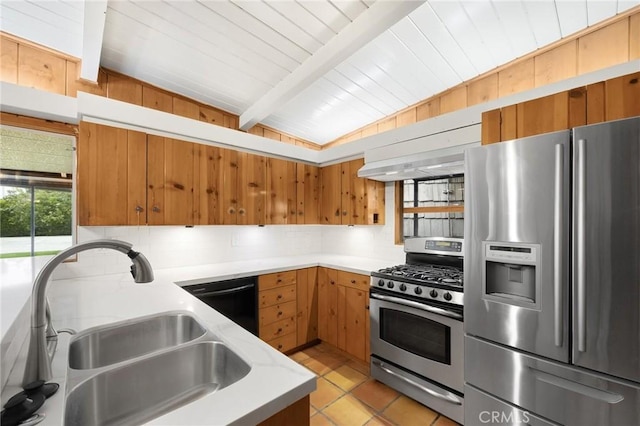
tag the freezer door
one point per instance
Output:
(482, 408)
(558, 393)
(606, 257)
(517, 227)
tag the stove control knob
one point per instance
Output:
(390, 284)
(433, 294)
(447, 296)
(380, 283)
(417, 290)
(403, 287)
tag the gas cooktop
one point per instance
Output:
(432, 272)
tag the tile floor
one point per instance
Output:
(347, 396)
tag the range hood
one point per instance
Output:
(427, 164)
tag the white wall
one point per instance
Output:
(176, 246)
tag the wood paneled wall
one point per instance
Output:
(279, 136)
(610, 43)
(27, 64)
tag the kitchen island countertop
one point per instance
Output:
(274, 381)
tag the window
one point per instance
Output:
(35, 192)
(431, 208)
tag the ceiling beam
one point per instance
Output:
(371, 23)
(95, 13)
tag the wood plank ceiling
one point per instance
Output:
(241, 54)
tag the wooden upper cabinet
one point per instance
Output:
(622, 97)
(251, 195)
(170, 181)
(111, 176)
(281, 191)
(308, 193)
(543, 115)
(354, 194)
(608, 100)
(347, 199)
(491, 127)
(330, 195)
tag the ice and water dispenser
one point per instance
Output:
(511, 273)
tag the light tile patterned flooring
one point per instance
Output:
(347, 396)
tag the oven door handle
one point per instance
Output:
(447, 396)
(232, 290)
(421, 306)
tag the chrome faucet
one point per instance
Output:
(43, 339)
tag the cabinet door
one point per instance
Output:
(281, 191)
(328, 305)
(307, 293)
(308, 193)
(354, 194)
(355, 321)
(111, 176)
(170, 181)
(353, 293)
(206, 202)
(375, 202)
(491, 127)
(251, 189)
(330, 195)
(622, 97)
(228, 166)
(543, 115)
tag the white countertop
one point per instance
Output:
(274, 381)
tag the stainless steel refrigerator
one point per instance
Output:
(552, 278)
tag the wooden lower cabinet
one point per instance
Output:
(328, 305)
(343, 311)
(296, 414)
(298, 307)
(307, 304)
(288, 308)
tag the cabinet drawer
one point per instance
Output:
(278, 279)
(277, 312)
(284, 343)
(358, 281)
(277, 295)
(278, 329)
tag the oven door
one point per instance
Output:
(424, 339)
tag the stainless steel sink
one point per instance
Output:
(143, 389)
(106, 345)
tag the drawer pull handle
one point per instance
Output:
(353, 281)
(280, 346)
(279, 331)
(279, 297)
(279, 313)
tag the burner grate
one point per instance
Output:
(426, 273)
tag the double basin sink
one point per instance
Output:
(136, 370)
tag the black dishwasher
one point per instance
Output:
(236, 299)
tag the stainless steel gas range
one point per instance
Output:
(416, 324)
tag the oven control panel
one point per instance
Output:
(421, 291)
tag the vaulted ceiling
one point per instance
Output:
(316, 69)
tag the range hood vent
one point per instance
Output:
(428, 164)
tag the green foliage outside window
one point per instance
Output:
(52, 208)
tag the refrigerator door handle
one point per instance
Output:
(580, 243)
(570, 385)
(558, 236)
